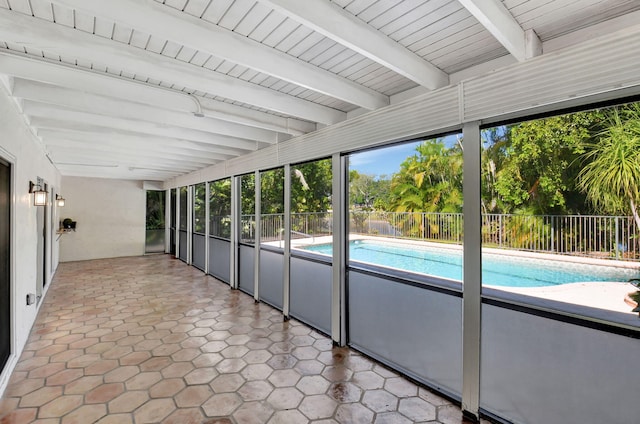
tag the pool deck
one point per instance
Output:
(608, 296)
(605, 295)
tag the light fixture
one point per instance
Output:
(198, 113)
(59, 200)
(39, 195)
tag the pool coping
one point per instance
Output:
(593, 296)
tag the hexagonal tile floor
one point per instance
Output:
(152, 340)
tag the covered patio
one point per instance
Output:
(237, 116)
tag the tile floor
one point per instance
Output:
(151, 340)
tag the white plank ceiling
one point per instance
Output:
(151, 89)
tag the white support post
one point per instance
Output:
(258, 233)
(190, 190)
(177, 229)
(235, 231)
(167, 221)
(472, 272)
(338, 287)
(286, 289)
(206, 227)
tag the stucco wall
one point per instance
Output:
(20, 147)
(110, 216)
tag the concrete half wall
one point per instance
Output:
(110, 216)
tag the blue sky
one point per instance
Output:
(381, 161)
(386, 161)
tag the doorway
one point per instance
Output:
(5, 263)
(154, 242)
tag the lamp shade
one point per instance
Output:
(39, 198)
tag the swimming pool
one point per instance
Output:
(497, 270)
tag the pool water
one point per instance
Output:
(497, 270)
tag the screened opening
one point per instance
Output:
(155, 222)
(272, 207)
(199, 208)
(560, 202)
(311, 214)
(405, 207)
(247, 208)
(220, 208)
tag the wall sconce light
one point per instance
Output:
(39, 195)
(59, 200)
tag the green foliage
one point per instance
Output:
(248, 207)
(155, 210)
(248, 194)
(368, 192)
(311, 185)
(310, 189)
(359, 219)
(495, 142)
(537, 164)
(272, 185)
(220, 208)
(182, 193)
(429, 181)
(611, 173)
(220, 197)
(199, 208)
(529, 168)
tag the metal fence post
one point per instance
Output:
(617, 241)
(553, 233)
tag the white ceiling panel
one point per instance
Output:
(251, 20)
(176, 4)
(42, 9)
(21, 6)
(197, 7)
(552, 19)
(267, 26)
(236, 12)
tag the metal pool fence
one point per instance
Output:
(612, 237)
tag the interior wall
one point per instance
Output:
(20, 147)
(110, 218)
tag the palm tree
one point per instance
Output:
(428, 181)
(611, 176)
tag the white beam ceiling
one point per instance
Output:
(58, 73)
(137, 92)
(182, 28)
(147, 150)
(126, 139)
(495, 17)
(106, 106)
(105, 150)
(68, 42)
(255, 118)
(335, 23)
(45, 116)
(70, 154)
